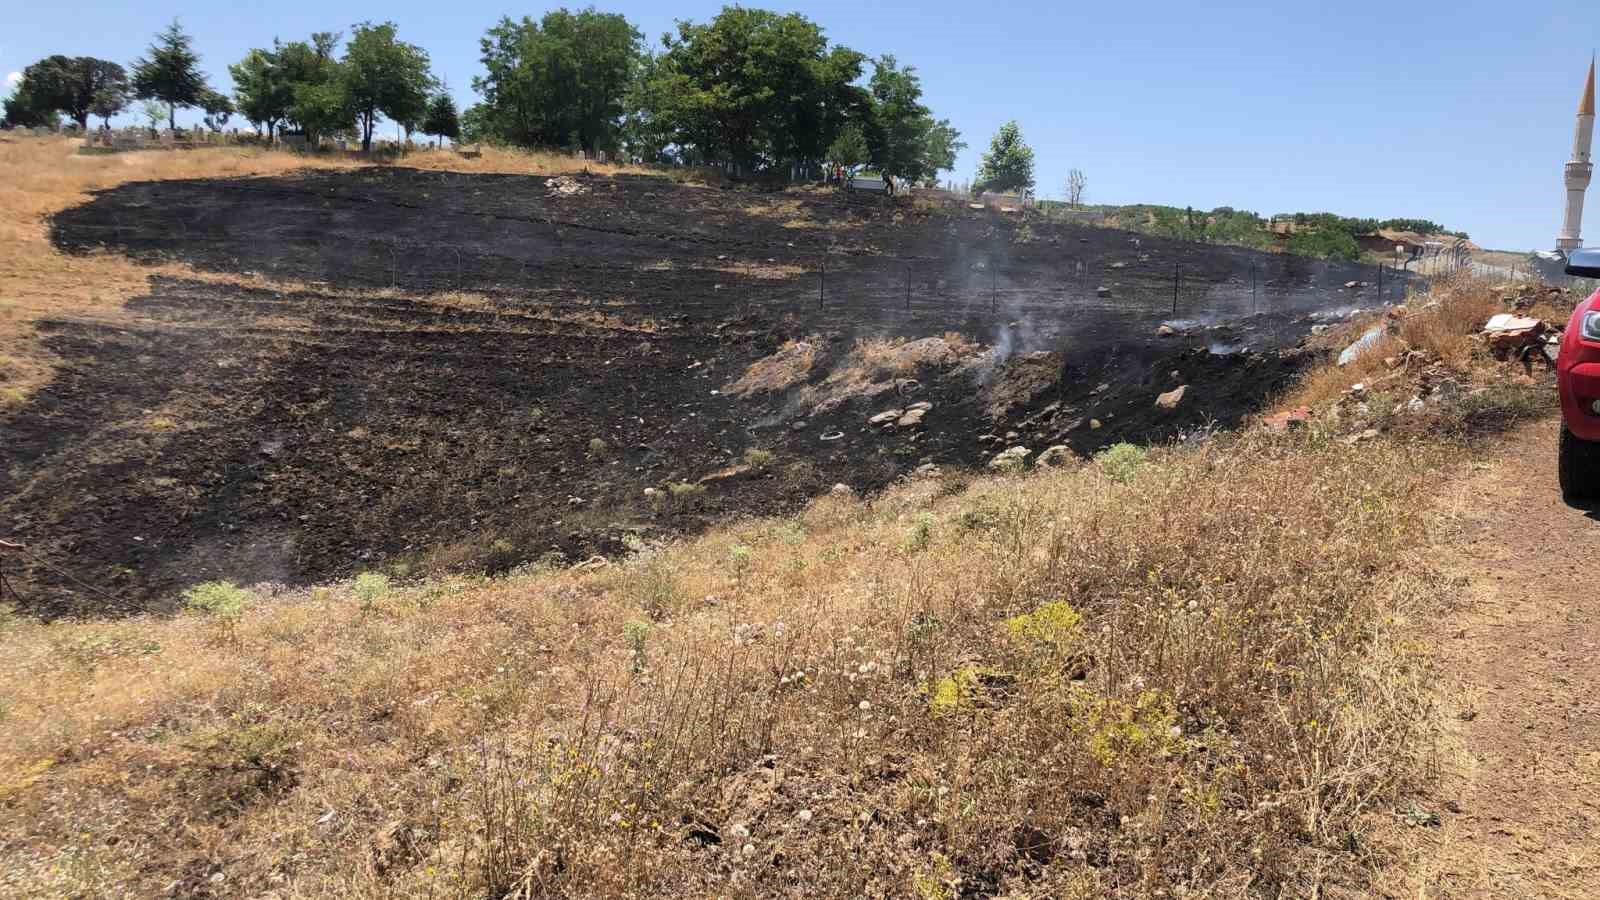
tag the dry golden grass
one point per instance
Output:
(1184, 677)
(789, 365)
(1443, 323)
(46, 175)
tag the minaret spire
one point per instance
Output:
(1586, 105)
(1579, 169)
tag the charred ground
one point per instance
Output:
(391, 366)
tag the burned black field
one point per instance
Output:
(411, 371)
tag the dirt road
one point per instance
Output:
(1519, 660)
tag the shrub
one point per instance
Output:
(222, 601)
(597, 447)
(1121, 462)
(920, 534)
(636, 633)
(370, 587)
(684, 495)
(759, 459)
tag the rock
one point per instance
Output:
(1364, 435)
(1352, 285)
(1288, 420)
(1416, 405)
(1170, 400)
(911, 419)
(1100, 388)
(842, 490)
(1094, 425)
(1366, 342)
(1014, 458)
(1060, 454)
(921, 404)
(1166, 331)
(885, 417)
(927, 470)
(988, 438)
(1012, 435)
(1119, 265)
(1102, 291)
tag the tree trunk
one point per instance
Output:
(172, 117)
(83, 122)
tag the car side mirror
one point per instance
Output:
(1584, 263)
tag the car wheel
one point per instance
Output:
(1579, 467)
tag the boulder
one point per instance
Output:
(911, 419)
(1060, 454)
(1014, 458)
(1166, 331)
(1170, 400)
(885, 417)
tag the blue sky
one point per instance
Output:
(1460, 112)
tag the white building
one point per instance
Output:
(1579, 170)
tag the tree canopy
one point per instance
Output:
(441, 120)
(560, 81)
(382, 76)
(75, 85)
(1008, 164)
(170, 73)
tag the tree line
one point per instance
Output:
(752, 91)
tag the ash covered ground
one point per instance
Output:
(390, 368)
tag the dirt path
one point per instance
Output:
(1519, 662)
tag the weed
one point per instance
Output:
(920, 535)
(222, 601)
(758, 459)
(598, 448)
(1122, 462)
(369, 588)
(636, 633)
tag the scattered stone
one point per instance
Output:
(1170, 400)
(920, 404)
(1012, 435)
(1351, 285)
(1166, 331)
(1364, 435)
(885, 417)
(1060, 454)
(927, 470)
(1119, 265)
(842, 490)
(911, 419)
(1100, 388)
(1287, 421)
(1102, 291)
(1014, 458)
(1094, 425)
(988, 438)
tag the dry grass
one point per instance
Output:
(1443, 323)
(789, 365)
(1055, 685)
(46, 175)
(874, 366)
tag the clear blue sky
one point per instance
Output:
(1457, 112)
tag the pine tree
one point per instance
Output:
(1008, 166)
(170, 73)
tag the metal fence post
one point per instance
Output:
(822, 284)
(908, 288)
(1175, 276)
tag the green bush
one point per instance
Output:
(1121, 462)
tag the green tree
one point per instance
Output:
(755, 89)
(381, 76)
(170, 73)
(73, 85)
(441, 120)
(260, 91)
(849, 149)
(944, 144)
(1008, 164)
(559, 81)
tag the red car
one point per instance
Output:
(1578, 379)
